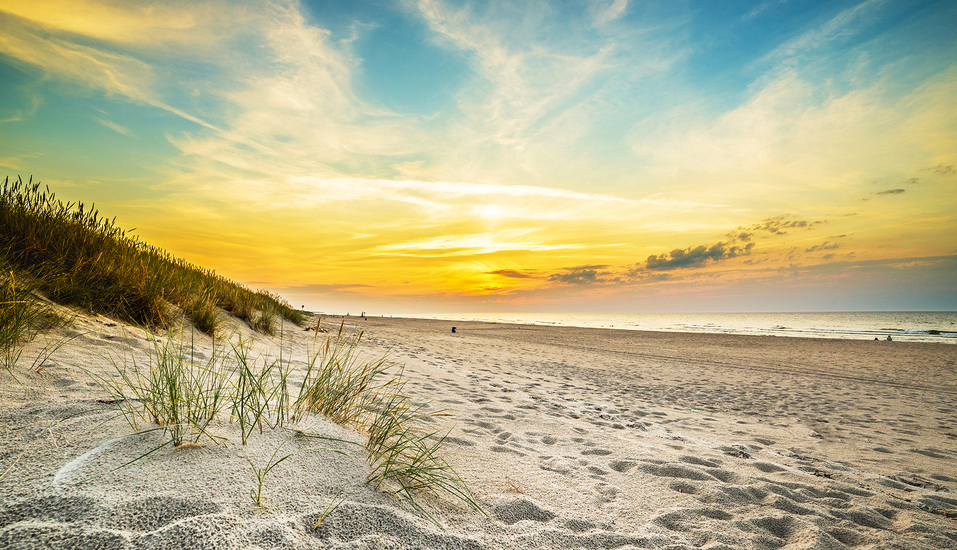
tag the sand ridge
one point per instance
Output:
(569, 438)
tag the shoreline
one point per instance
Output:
(943, 336)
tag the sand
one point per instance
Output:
(568, 437)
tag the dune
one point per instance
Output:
(567, 437)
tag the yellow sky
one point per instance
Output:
(439, 157)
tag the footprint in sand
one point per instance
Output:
(501, 449)
(622, 466)
(700, 461)
(557, 464)
(515, 511)
(596, 452)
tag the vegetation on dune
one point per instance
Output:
(77, 257)
(187, 401)
(51, 250)
(22, 315)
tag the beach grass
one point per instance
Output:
(339, 384)
(22, 315)
(404, 452)
(172, 391)
(72, 255)
(81, 258)
(186, 399)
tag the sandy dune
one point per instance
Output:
(569, 438)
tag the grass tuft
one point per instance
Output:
(404, 452)
(171, 392)
(22, 316)
(337, 383)
(184, 399)
(201, 309)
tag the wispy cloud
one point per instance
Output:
(513, 274)
(822, 38)
(543, 85)
(606, 12)
(584, 275)
(474, 244)
(118, 128)
(941, 170)
(761, 8)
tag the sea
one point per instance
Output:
(904, 326)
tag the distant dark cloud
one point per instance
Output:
(742, 236)
(513, 274)
(890, 192)
(778, 225)
(941, 170)
(583, 275)
(912, 181)
(580, 277)
(694, 256)
(826, 245)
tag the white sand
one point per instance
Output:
(569, 438)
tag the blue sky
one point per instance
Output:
(438, 156)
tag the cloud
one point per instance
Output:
(778, 225)
(826, 245)
(473, 244)
(549, 84)
(838, 30)
(890, 192)
(513, 274)
(34, 46)
(582, 275)
(607, 12)
(695, 256)
(118, 128)
(761, 8)
(941, 169)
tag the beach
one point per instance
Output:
(567, 437)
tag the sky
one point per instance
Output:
(438, 156)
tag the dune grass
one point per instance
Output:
(339, 384)
(404, 451)
(172, 391)
(74, 256)
(81, 258)
(186, 399)
(22, 316)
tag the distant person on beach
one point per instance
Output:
(889, 339)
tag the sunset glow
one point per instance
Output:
(437, 156)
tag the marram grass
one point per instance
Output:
(75, 256)
(188, 399)
(22, 316)
(79, 257)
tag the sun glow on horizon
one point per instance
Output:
(434, 155)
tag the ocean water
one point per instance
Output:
(906, 326)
